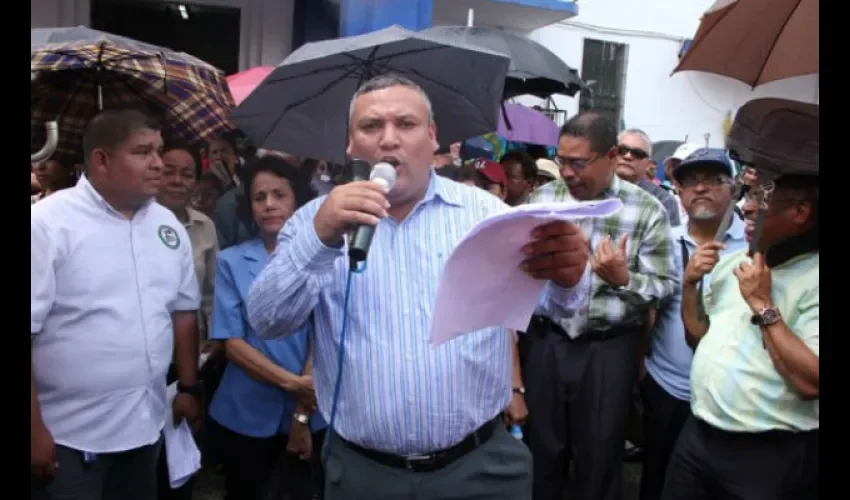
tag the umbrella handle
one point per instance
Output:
(505, 116)
(52, 129)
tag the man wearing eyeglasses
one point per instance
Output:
(634, 151)
(705, 185)
(579, 370)
(754, 386)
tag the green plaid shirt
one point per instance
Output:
(652, 271)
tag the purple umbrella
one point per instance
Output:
(527, 125)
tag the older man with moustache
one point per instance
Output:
(414, 420)
(706, 186)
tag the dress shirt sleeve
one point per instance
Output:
(43, 260)
(806, 324)
(287, 290)
(657, 278)
(563, 303)
(208, 285)
(227, 319)
(188, 295)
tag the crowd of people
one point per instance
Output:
(150, 255)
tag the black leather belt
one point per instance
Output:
(432, 461)
(540, 324)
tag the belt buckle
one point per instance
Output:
(411, 460)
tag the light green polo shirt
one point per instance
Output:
(734, 384)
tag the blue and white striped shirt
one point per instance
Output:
(399, 393)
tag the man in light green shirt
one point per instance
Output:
(755, 372)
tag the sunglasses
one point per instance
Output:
(637, 153)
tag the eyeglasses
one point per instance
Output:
(574, 163)
(760, 195)
(709, 181)
(637, 153)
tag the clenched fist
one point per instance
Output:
(355, 203)
(702, 261)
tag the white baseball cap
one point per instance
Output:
(548, 168)
(683, 151)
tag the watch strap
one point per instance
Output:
(196, 390)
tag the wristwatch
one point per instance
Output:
(196, 390)
(301, 418)
(766, 316)
(519, 390)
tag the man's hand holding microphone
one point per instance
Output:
(559, 250)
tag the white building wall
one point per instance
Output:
(667, 107)
(266, 25)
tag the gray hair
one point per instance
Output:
(638, 133)
(386, 81)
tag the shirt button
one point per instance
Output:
(411, 400)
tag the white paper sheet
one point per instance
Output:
(181, 452)
(481, 284)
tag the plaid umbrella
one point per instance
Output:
(79, 71)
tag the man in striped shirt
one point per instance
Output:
(579, 370)
(413, 420)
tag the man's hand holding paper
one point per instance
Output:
(558, 253)
(497, 273)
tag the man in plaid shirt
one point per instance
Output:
(580, 370)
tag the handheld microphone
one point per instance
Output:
(384, 174)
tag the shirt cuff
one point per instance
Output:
(308, 253)
(185, 305)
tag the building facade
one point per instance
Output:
(625, 49)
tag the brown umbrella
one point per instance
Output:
(756, 41)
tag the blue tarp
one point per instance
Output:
(364, 16)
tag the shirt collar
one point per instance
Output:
(734, 233)
(93, 195)
(194, 217)
(444, 189)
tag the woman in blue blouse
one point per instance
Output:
(263, 410)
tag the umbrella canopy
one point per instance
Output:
(534, 69)
(521, 124)
(74, 79)
(756, 41)
(243, 83)
(302, 107)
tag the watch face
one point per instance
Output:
(770, 316)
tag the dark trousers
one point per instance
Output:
(711, 464)
(498, 469)
(578, 394)
(663, 419)
(255, 466)
(127, 475)
(210, 375)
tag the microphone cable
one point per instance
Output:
(354, 268)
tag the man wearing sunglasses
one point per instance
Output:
(634, 150)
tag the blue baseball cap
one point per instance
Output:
(705, 157)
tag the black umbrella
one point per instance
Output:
(302, 106)
(534, 69)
